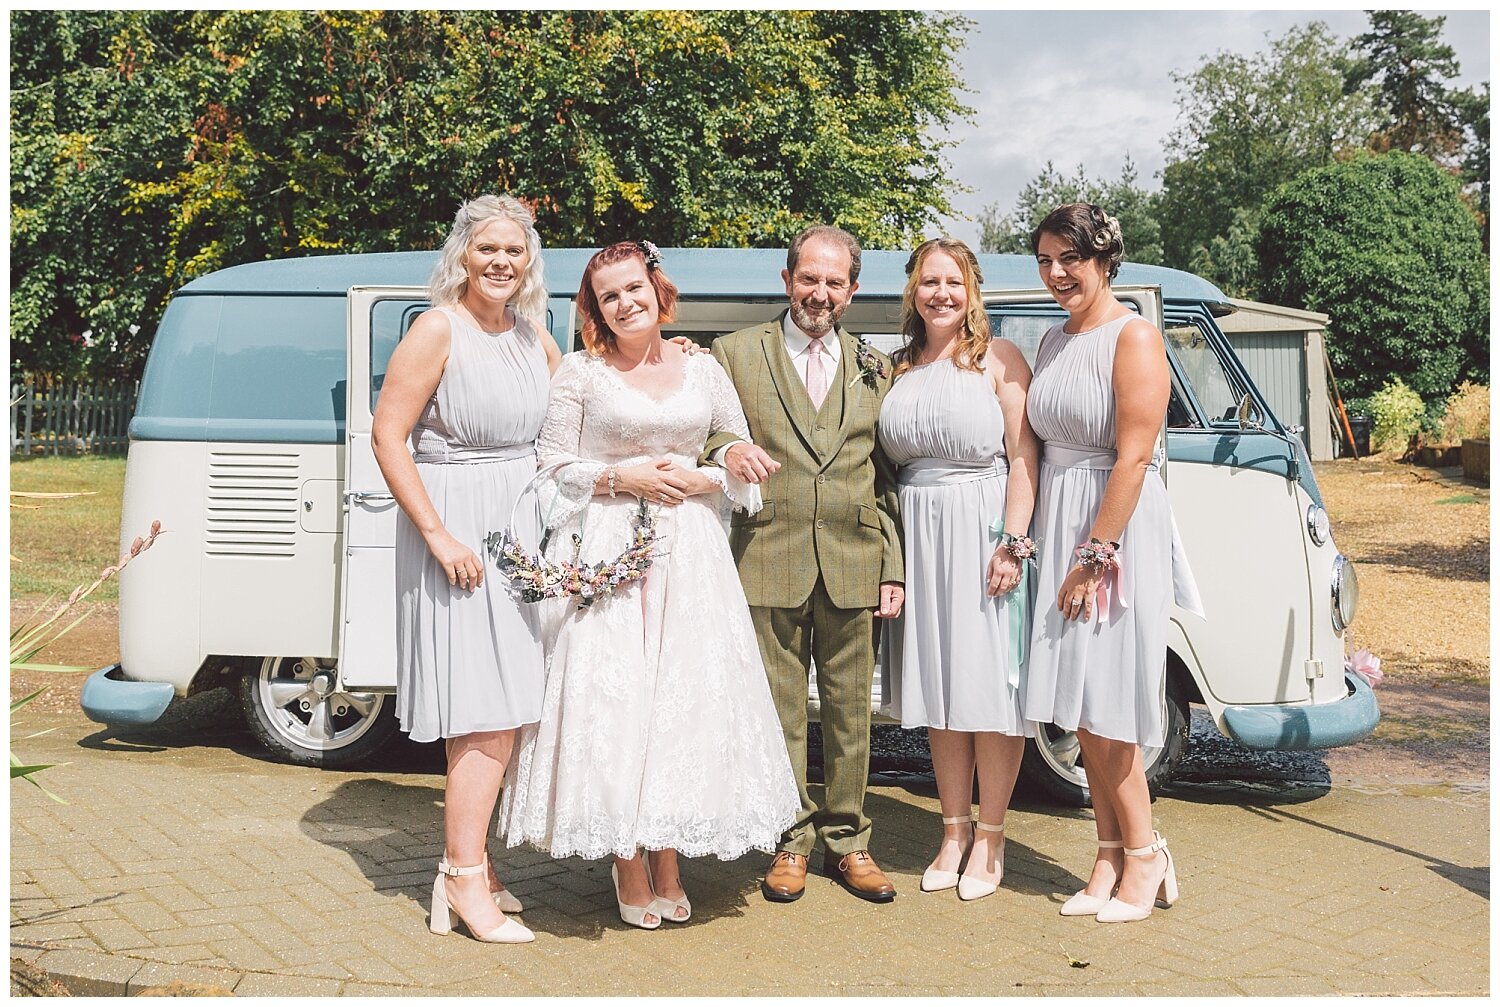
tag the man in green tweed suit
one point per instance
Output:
(823, 555)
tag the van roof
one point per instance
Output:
(697, 272)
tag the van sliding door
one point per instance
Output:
(378, 318)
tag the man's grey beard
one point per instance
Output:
(806, 324)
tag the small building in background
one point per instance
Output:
(1282, 348)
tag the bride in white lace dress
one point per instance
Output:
(658, 729)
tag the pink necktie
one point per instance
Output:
(817, 372)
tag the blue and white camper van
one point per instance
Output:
(251, 444)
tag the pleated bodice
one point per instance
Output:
(493, 393)
(1072, 398)
(942, 411)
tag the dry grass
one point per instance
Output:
(1421, 540)
(59, 544)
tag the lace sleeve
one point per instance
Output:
(569, 486)
(728, 417)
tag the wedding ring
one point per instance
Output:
(1077, 602)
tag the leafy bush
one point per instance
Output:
(1467, 414)
(1386, 247)
(1398, 412)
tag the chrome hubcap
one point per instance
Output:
(1060, 751)
(307, 707)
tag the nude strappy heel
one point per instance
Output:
(969, 888)
(941, 881)
(1084, 904)
(441, 921)
(1117, 911)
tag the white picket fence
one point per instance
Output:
(53, 417)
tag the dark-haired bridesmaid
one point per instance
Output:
(1107, 545)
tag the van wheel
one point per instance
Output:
(1052, 767)
(297, 708)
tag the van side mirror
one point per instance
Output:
(1249, 415)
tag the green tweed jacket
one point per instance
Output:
(832, 508)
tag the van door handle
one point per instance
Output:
(367, 496)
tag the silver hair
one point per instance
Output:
(449, 278)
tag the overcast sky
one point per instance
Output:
(1088, 87)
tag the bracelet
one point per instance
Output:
(1022, 547)
(609, 476)
(1099, 555)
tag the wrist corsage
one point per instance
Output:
(1022, 547)
(871, 368)
(1101, 556)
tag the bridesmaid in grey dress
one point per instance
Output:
(955, 423)
(467, 387)
(1106, 539)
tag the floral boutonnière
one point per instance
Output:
(870, 368)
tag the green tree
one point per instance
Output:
(1402, 57)
(1248, 124)
(150, 147)
(1231, 258)
(1386, 247)
(1122, 197)
(1474, 108)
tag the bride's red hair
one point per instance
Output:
(597, 335)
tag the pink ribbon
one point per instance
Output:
(1109, 585)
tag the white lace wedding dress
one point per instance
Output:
(657, 729)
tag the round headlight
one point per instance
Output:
(1345, 592)
(1317, 524)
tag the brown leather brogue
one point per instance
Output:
(859, 873)
(787, 878)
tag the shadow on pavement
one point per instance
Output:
(392, 832)
(1475, 880)
(213, 719)
(209, 719)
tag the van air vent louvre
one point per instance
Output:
(252, 504)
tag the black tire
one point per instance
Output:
(295, 708)
(1047, 779)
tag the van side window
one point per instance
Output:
(389, 320)
(246, 367)
(1212, 386)
(1026, 331)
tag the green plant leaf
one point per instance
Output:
(28, 773)
(69, 668)
(17, 704)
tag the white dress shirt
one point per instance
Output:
(798, 343)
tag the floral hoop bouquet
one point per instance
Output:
(534, 577)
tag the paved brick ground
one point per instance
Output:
(186, 858)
